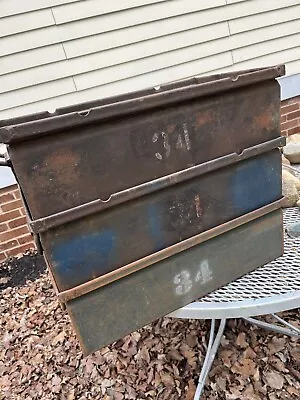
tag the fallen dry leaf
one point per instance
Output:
(293, 391)
(192, 338)
(277, 364)
(56, 384)
(167, 380)
(175, 355)
(59, 338)
(71, 395)
(241, 340)
(249, 353)
(191, 390)
(221, 382)
(6, 339)
(246, 367)
(40, 357)
(274, 380)
(225, 356)
(256, 375)
(118, 396)
(249, 394)
(276, 344)
(295, 353)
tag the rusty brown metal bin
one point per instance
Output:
(143, 202)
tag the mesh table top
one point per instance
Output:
(275, 278)
(272, 288)
(278, 277)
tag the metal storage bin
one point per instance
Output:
(143, 202)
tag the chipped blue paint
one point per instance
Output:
(84, 255)
(83, 250)
(254, 175)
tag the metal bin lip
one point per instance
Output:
(66, 118)
(53, 220)
(108, 278)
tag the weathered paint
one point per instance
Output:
(90, 247)
(107, 314)
(155, 227)
(113, 155)
(255, 185)
(178, 169)
(71, 257)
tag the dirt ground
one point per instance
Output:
(41, 359)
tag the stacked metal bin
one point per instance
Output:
(144, 202)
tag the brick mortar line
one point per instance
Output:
(297, 117)
(288, 120)
(28, 235)
(298, 104)
(14, 209)
(14, 219)
(18, 206)
(8, 190)
(19, 245)
(13, 230)
(22, 248)
(289, 112)
(287, 106)
(291, 120)
(2, 203)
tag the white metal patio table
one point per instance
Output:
(270, 289)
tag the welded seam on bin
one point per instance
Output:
(144, 262)
(92, 207)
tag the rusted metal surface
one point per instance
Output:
(100, 243)
(71, 167)
(105, 315)
(54, 220)
(143, 202)
(138, 265)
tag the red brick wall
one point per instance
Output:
(290, 116)
(15, 238)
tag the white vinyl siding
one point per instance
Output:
(165, 51)
(91, 8)
(134, 83)
(31, 58)
(56, 53)
(15, 7)
(26, 22)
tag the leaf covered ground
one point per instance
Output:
(40, 357)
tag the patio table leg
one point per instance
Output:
(212, 348)
(289, 329)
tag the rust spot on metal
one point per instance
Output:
(264, 120)
(268, 119)
(63, 165)
(199, 210)
(42, 224)
(204, 118)
(171, 128)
